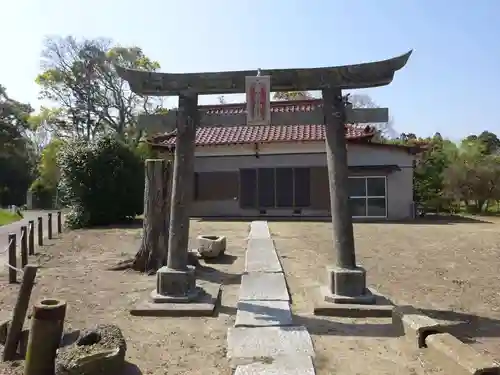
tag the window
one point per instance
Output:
(275, 188)
(368, 196)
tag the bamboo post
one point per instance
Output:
(19, 314)
(47, 322)
(49, 225)
(31, 237)
(59, 222)
(12, 258)
(40, 231)
(24, 245)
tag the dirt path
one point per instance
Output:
(74, 270)
(449, 270)
(342, 345)
(449, 267)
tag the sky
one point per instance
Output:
(450, 84)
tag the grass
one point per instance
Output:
(7, 217)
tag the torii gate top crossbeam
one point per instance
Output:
(371, 74)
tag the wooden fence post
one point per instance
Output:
(49, 225)
(12, 258)
(40, 231)
(59, 222)
(24, 246)
(19, 314)
(47, 323)
(31, 237)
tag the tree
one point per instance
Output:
(39, 137)
(154, 246)
(48, 167)
(17, 156)
(80, 79)
(45, 188)
(488, 139)
(384, 130)
(428, 173)
(473, 175)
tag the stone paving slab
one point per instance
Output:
(263, 314)
(203, 306)
(245, 344)
(263, 287)
(261, 256)
(259, 229)
(300, 365)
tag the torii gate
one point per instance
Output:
(347, 281)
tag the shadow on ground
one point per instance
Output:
(131, 369)
(428, 220)
(226, 259)
(467, 327)
(126, 224)
(331, 326)
(216, 276)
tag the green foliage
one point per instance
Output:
(145, 151)
(79, 76)
(488, 140)
(48, 167)
(42, 194)
(473, 175)
(17, 156)
(102, 181)
(7, 217)
(428, 173)
(44, 188)
(449, 175)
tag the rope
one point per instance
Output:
(14, 268)
(6, 264)
(7, 248)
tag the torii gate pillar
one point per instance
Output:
(346, 280)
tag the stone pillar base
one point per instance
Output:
(347, 286)
(175, 286)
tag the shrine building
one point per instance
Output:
(280, 170)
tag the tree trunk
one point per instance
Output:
(154, 247)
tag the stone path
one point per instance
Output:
(264, 339)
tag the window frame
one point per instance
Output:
(366, 197)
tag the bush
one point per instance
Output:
(42, 194)
(102, 182)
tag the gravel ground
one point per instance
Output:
(74, 270)
(449, 269)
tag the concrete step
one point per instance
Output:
(247, 344)
(298, 365)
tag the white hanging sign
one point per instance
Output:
(258, 97)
